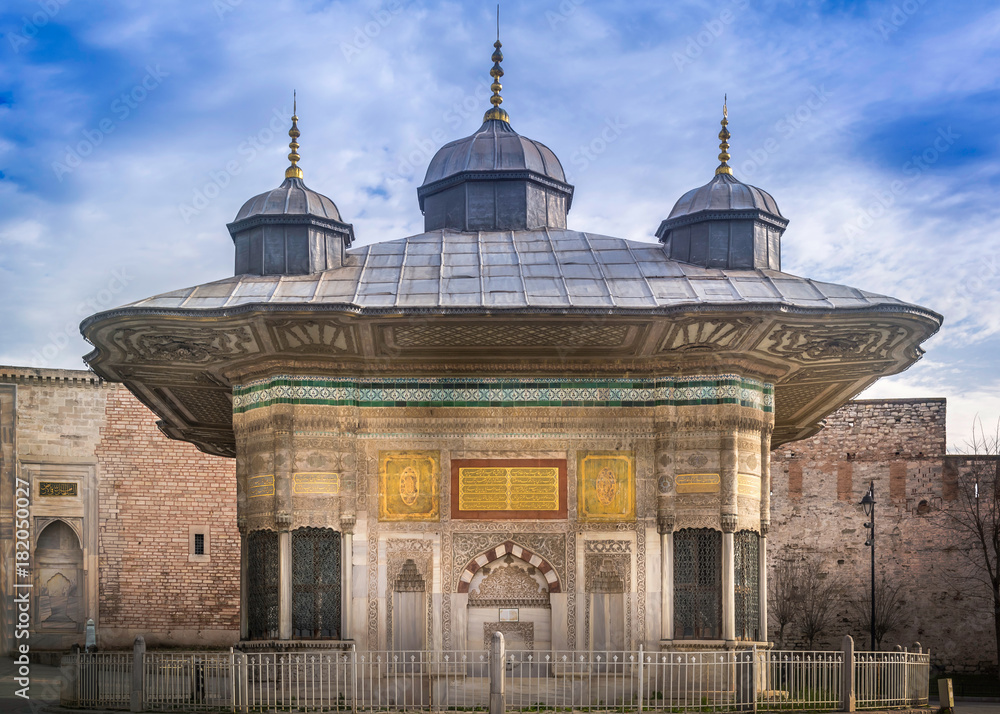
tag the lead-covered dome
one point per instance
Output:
(725, 223)
(291, 197)
(495, 179)
(289, 230)
(725, 193)
(494, 147)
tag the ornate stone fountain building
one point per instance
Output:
(502, 423)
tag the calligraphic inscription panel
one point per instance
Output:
(606, 490)
(258, 486)
(502, 489)
(56, 488)
(316, 483)
(408, 485)
(697, 483)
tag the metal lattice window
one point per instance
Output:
(747, 571)
(697, 584)
(316, 583)
(262, 585)
(199, 544)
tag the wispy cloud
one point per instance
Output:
(829, 105)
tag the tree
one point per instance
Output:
(973, 516)
(820, 596)
(782, 596)
(889, 612)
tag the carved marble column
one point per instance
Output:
(284, 457)
(665, 525)
(762, 580)
(728, 578)
(765, 523)
(285, 584)
(241, 523)
(347, 522)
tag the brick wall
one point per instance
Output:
(151, 490)
(817, 486)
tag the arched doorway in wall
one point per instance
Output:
(509, 590)
(59, 579)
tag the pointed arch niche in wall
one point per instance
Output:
(510, 548)
(59, 578)
(512, 580)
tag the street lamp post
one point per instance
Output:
(868, 504)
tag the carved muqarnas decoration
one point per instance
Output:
(509, 586)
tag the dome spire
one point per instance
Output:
(294, 171)
(724, 157)
(495, 112)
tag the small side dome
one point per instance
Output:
(290, 230)
(725, 223)
(291, 197)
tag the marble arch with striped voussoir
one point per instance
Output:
(518, 551)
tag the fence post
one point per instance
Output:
(848, 703)
(641, 656)
(753, 677)
(354, 679)
(498, 653)
(138, 653)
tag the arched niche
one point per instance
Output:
(510, 595)
(59, 578)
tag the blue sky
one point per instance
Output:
(131, 133)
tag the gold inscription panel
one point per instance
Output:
(259, 486)
(606, 490)
(697, 483)
(508, 489)
(56, 488)
(748, 485)
(316, 483)
(408, 485)
(500, 489)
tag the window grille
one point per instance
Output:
(199, 544)
(262, 585)
(747, 571)
(316, 583)
(697, 584)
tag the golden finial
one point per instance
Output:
(495, 112)
(724, 156)
(294, 171)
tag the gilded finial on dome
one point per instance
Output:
(294, 171)
(495, 112)
(724, 156)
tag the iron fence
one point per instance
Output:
(344, 680)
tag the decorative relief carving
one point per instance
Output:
(842, 343)
(697, 460)
(408, 485)
(609, 574)
(486, 334)
(149, 344)
(665, 484)
(608, 547)
(312, 336)
(520, 635)
(729, 522)
(465, 546)
(606, 482)
(400, 553)
(509, 586)
(702, 333)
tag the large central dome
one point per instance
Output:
(495, 179)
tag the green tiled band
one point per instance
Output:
(503, 392)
